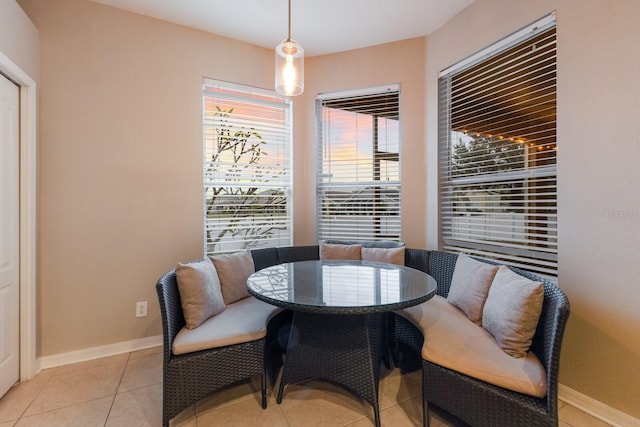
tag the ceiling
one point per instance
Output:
(320, 26)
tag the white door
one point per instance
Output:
(9, 235)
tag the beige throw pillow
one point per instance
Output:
(234, 270)
(388, 255)
(512, 311)
(199, 289)
(470, 286)
(331, 251)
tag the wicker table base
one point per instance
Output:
(345, 349)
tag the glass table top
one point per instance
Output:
(341, 286)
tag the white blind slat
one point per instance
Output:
(358, 181)
(246, 168)
(497, 136)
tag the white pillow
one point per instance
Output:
(470, 286)
(512, 311)
(200, 294)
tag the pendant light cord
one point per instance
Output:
(289, 31)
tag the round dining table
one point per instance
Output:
(340, 316)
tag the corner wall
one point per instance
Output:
(598, 202)
(400, 62)
(120, 176)
(121, 143)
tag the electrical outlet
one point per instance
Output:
(141, 309)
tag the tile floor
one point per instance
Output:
(126, 390)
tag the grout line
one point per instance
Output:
(34, 398)
(61, 408)
(106, 420)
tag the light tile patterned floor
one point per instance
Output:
(126, 390)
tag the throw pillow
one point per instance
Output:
(331, 251)
(470, 286)
(234, 270)
(200, 295)
(388, 255)
(512, 311)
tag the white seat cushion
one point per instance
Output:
(453, 341)
(243, 321)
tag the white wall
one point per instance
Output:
(19, 38)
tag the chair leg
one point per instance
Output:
(386, 341)
(425, 413)
(425, 405)
(264, 389)
(376, 417)
(165, 415)
(280, 391)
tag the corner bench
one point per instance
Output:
(201, 370)
(200, 361)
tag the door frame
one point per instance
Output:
(28, 186)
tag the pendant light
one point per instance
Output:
(289, 65)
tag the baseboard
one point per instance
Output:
(596, 408)
(98, 352)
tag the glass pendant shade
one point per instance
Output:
(289, 68)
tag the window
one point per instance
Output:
(497, 137)
(247, 172)
(358, 182)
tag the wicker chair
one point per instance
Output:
(189, 377)
(476, 402)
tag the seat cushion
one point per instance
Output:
(453, 341)
(243, 321)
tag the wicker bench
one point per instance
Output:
(223, 350)
(477, 402)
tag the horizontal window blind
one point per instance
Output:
(247, 168)
(358, 181)
(497, 133)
